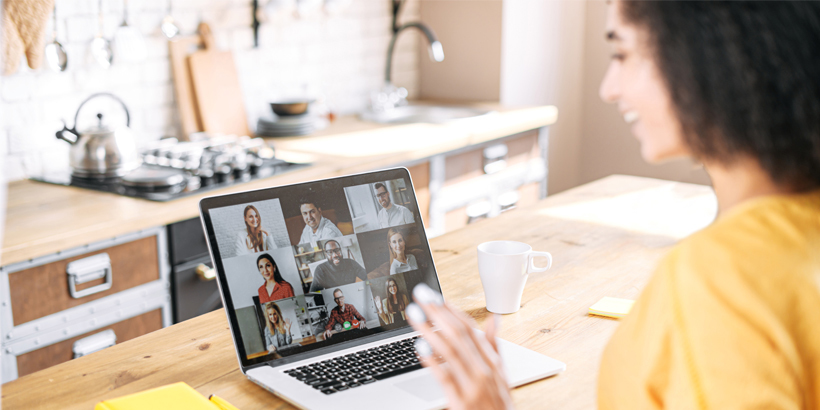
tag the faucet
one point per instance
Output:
(435, 49)
(391, 96)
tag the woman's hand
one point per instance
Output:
(472, 377)
(271, 348)
(287, 325)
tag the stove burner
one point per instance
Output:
(173, 170)
(153, 178)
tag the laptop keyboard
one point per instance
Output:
(360, 368)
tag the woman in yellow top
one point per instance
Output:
(730, 318)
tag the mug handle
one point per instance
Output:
(531, 265)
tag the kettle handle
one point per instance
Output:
(65, 130)
(91, 97)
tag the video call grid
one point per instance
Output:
(368, 239)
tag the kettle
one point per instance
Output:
(101, 151)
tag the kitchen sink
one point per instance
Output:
(436, 114)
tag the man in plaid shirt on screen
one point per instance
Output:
(343, 313)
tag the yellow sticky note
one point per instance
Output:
(611, 307)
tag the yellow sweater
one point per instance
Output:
(730, 320)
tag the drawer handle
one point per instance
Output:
(94, 343)
(88, 269)
(205, 273)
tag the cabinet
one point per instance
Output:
(480, 181)
(49, 305)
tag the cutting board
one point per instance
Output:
(179, 48)
(217, 92)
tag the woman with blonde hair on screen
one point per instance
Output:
(277, 331)
(253, 238)
(729, 318)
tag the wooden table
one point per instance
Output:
(605, 237)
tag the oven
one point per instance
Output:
(193, 285)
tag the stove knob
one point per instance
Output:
(256, 165)
(206, 177)
(223, 174)
(241, 172)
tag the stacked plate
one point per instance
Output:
(281, 126)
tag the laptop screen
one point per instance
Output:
(307, 267)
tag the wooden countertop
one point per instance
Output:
(42, 219)
(606, 238)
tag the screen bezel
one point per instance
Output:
(345, 341)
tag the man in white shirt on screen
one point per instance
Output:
(316, 226)
(391, 214)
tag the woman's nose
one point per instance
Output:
(609, 90)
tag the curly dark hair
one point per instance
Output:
(744, 78)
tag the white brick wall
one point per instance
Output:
(341, 56)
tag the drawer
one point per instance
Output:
(44, 290)
(63, 351)
(112, 283)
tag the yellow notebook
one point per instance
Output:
(611, 307)
(177, 396)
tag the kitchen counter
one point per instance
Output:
(42, 219)
(606, 238)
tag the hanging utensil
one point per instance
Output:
(100, 47)
(56, 57)
(129, 44)
(168, 27)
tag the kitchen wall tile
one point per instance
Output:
(31, 138)
(18, 88)
(148, 22)
(51, 84)
(4, 143)
(81, 28)
(55, 160)
(156, 47)
(67, 8)
(241, 38)
(186, 20)
(58, 109)
(21, 114)
(13, 168)
(32, 163)
(141, 6)
(155, 72)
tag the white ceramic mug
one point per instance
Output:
(503, 267)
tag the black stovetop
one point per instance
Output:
(216, 165)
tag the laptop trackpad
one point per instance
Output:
(423, 387)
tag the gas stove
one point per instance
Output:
(171, 169)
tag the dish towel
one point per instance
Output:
(24, 27)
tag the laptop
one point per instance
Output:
(315, 278)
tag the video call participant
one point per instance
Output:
(275, 286)
(391, 214)
(341, 314)
(253, 238)
(400, 261)
(316, 226)
(337, 270)
(277, 331)
(394, 303)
